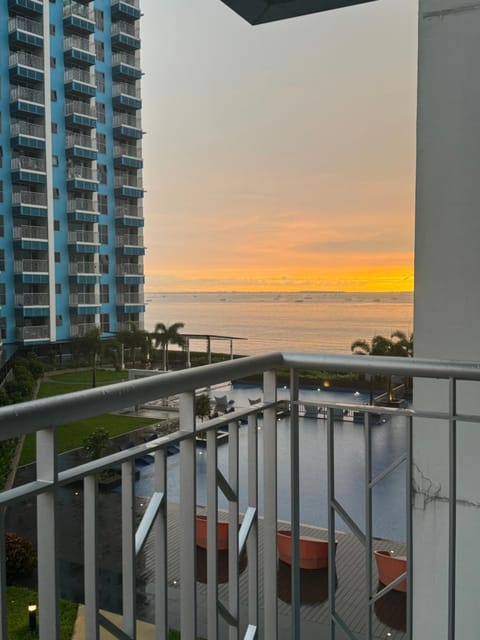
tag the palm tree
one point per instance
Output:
(380, 346)
(133, 339)
(91, 345)
(164, 336)
(402, 344)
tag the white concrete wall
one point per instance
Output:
(447, 307)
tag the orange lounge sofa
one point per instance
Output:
(222, 533)
(391, 567)
(313, 552)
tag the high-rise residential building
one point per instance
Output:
(71, 221)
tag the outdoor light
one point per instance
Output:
(32, 616)
(326, 383)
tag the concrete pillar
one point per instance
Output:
(447, 308)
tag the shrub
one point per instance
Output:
(21, 557)
(96, 443)
(202, 406)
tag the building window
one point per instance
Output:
(58, 289)
(54, 127)
(104, 294)
(2, 260)
(55, 161)
(53, 95)
(59, 321)
(103, 233)
(105, 322)
(102, 173)
(2, 227)
(57, 256)
(100, 81)
(1, 157)
(99, 19)
(100, 112)
(1, 190)
(56, 193)
(100, 50)
(52, 29)
(101, 143)
(102, 204)
(53, 62)
(103, 264)
(56, 225)
(2, 294)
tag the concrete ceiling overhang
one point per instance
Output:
(261, 11)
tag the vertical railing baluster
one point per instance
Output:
(252, 541)
(295, 502)
(48, 614)
(270, 507)
(409, 506)
(233, 585)
(128, 548)
(160, 560)
(90, 524)
(188, 499)
(331, 521)
(368, 522)
(212, 544)
(3, 579)
(452, 515)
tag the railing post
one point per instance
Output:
(368, 521)
(452, 507)
(252, 541)
(233, 590)
(161, 567)
(270, 507)
(128, 548)
(331, 522)
(47, 537)
(90, 521)
(188, 498)
(212, 552)
(295, 502)
(3, 579)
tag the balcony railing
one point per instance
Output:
(77, 42)
(81, 268)
(131, 240)
(80, 75)
(90, 237)
(83, 108)
(80, 330)
(19, 23)
(29, 198)
(126, 88)
(128, 210)
(29, 163)
(129, 269)
(84, 298)
(31, 266)
(32, 300)
(255, 531)
(126, 58)
(81, 173)
(129, 29)
(27, 129)
(41, 332)
(130, 298)
(127, 119)
(81, 204)
(30, 232)
(80, 140)
(132, 3)
(25, 59)
(128, 180)
(19, 92)
(76, 9)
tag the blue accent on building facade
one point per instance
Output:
(71, 238)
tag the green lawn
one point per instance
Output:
(71, 436)
(18, 600)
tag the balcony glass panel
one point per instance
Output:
(21, 23)
(33, 333)
(23, 58)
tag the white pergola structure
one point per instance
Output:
(447, 300)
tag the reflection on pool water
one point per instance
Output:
(388, 443)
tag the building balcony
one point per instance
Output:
(25, 101)
(80, 114)
(129, 215)
(32, 300)
(130, 298)
(125, 36)
(127, 126)
(80, 178)
(79, 51)
(85, 299)
(30, 232)
(28, 135)
(25, 67)
(82, 210)
(81, 146)
(84, 241)
(35, 333)
(125, 66)
(82, 268)
(28, 265)
(28, 169)
(129, 269)
(130, 245)
(81, 330)
(126, 95)
(126, 10)
(78, 18)
(26, 7)
(29, 203)
(257, 473)
(79, 82)
(128, 156)
(25, 33)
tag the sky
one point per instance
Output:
(281, 156)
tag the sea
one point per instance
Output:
(310, 321)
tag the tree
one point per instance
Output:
(135, 339)
(164, 336)
(91, 346)
(402, 344)
(96, 443)
(202, 406)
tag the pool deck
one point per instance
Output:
(389, 616)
